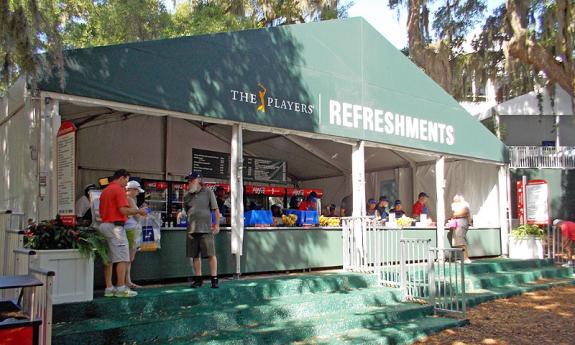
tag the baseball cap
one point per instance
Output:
(372, 201)
(193, 175)
(89, 187)
(556, 221)
(134, 185)
(383, 198)
(397, 202)
(423, 194)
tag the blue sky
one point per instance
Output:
(388, 22)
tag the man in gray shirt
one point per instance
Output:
(199, 203)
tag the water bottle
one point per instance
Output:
(184, 220)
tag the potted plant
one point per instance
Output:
(69, 251)
(526, 242)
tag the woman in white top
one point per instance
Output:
(458, 235)
(132, 228)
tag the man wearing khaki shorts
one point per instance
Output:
(114, 209)
(199, 203)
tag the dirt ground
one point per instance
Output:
(541, 317)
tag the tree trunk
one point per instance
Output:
(433, 60)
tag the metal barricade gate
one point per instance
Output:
(555, 249)
(408, 264)
(447, 282)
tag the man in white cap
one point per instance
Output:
(568, 234)
(132, 225)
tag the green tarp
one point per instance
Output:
(336, 77)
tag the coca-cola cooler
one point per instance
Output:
(263, 197)
(165, 197)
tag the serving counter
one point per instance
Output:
(275, 249)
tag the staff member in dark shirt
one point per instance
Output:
(220, 193)
(397, 209)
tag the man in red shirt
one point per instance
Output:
(114, 209)
(420, 205)
(568, 234)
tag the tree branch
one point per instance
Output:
(528, 51)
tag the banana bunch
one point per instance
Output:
(289, 220)
(329, 221)
(404, 221)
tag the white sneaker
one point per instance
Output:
(111, 292)
(125, 292)
(568, 264)
(467, 261)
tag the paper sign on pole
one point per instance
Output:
(537, 208)
(66, 172)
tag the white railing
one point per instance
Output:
(555, 248)
(542, 157)
(11, 237)
(43, 303)
(365, 241)
(407, 264)
(415, 260)
(447, 281)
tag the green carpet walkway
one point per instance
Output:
(323, 308)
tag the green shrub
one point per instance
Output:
(525, 230)
(53, 234)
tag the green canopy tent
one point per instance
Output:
(338, 80)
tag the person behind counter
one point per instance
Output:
(398, 209)
(420, 206)
(310, 203)
(346, 207)
(295, 202)
(382, 207)
(83, 208)
(371, 210)
(330, 212)
(277, 214)
(220, 193)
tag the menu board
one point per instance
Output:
(65, 172)
(217, 165)
(264, 170)
(211, 164)
(537, 202)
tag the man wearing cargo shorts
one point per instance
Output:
(199, 203)
(114, 209)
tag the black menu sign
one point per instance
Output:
(211, 164)
(217, 165)
(264, 170)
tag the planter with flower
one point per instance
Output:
(526, 242)
(69, 251)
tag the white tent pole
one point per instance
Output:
(237, 194)
(53, 183)
(557, 140)
(358, 178)
(503, 202)
(413, 183)
(440, 187)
